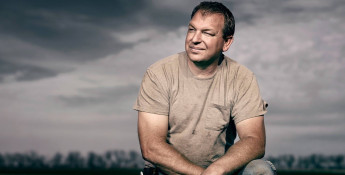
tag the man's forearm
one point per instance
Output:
(170, 161)
(238, 155)
(152, 130)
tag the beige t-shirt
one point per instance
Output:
(202, 112)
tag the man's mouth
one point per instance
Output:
(196, 49)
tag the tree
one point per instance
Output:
(56, 161)
(74, 160)
(95, 161)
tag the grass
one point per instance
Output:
(311, 172)
(120, 171)
(137, 171)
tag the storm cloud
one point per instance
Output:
(70, 71)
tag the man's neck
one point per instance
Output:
(205, 69)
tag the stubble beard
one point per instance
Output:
(203, 64)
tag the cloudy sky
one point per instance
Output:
(70, 70)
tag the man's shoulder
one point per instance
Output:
(235, 68)
(170, 62)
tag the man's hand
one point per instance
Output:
(153, 129)
(214, 169)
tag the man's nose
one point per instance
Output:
(196, 37)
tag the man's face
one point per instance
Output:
(204, 40)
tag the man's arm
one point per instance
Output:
(153, 129)
(250, 146)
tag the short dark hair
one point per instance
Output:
(217, 7)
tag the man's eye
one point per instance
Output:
(191, 29)
(209, 34)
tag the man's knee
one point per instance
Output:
(258, 167)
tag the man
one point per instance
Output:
(192, 104)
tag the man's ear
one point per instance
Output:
(227, 43)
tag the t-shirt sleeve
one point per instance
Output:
(248, 101)
(152, 97)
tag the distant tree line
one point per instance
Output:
(71, 161)
(131, 159)
(310, 162)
